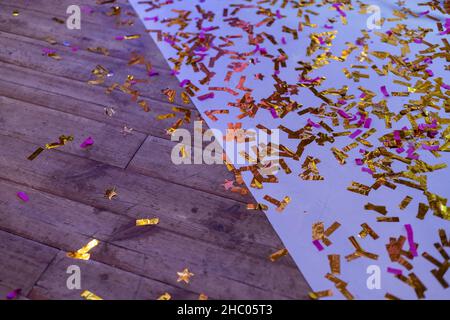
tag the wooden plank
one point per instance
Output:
(27, 53)
(105, 281)
(38, 25)
(189, 212)
(83, 92)
(82, 105)
(154, 159)
(22, 262)
(40, 125)
(148, 162)
(149, 252)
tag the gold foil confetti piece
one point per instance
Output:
(422, 211)
(320, 294)
(86, 294)
(335, 263)
(100, 50)
(339, 155)
(443, 237)
(331, 229)
(318, 230)
(202, 296)
(132, 37)
(340, 285)
(144, 105)
(388, 219)
(257, 206)
(166, 116)
(147, 222)
(111, 193)
(62, 141)
(165, 296)
(405, 202)
(83, 253)
(35, 153)
(359, 251)
(389, 296)
(184, 275)
(279, 204)
(279, 254)
(380, 209)
(368, 231)
(359, 188)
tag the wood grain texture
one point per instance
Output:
(202, 226)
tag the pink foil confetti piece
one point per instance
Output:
(318, 245)
(206, 96)
(13, 294)
(87, 143)
(274, 113)
(367, 123)
(410, 235)
(395, 271)
(355, 133)
(384, 91)
(359, 162)
(23, 196)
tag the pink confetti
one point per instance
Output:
(395, 271)
(318, 245)
(355, 134)
(23, 196)
(13, 294)
(367, 123)
(274, 113)
(410, 235)
(184, 82)
(364, 169)
(206, 96)
(87, 143)
(384, 91)
(120, 38)
(359, 162)
(313, 124)
(343, 114)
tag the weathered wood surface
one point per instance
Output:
(203, 226)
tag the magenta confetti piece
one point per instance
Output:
(364, 169)
(367, 123)
(430, 72)
(283, 40)
(337, 6)
(384, 91)
(312, 123)
(119, 38)
(318, 245)
(395, 271)
(274, 113)
(327, 26)
(359, 162)
(155, 18)
(87, 143)
(23, 196)
(152, 73)
(399, 150)
(13, 294)
(430, 148)
(206, 96)
(418, 40)
(184, 82)
(343, 114)
(410, 235)
(355, 134)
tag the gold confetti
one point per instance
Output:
(89, 295)
(111, 193)
(165, 296)
(83, 253)
(184, 275)
(147, 222)
(277, 255)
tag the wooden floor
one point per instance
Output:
(202, 226)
